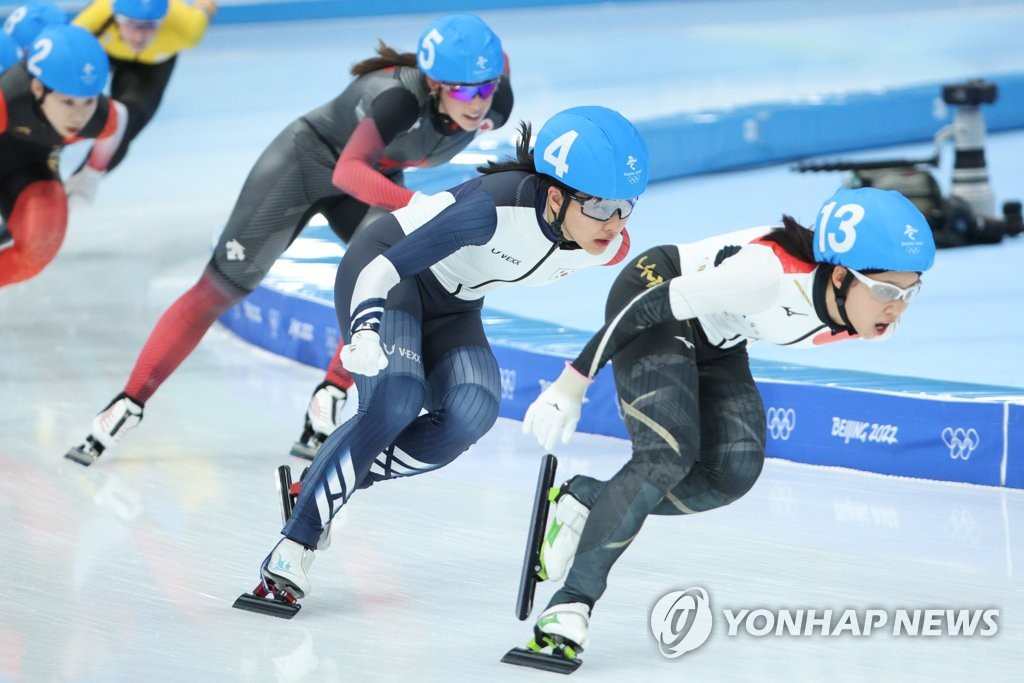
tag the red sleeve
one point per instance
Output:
(355, 175)
(3, 113)
(623, 250)
(111, 125)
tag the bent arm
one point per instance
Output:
(447, 224)
(745, 283)
(393, 111)
(110, 137)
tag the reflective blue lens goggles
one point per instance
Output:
(466, 93)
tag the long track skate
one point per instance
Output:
(85, 454)
(563, 657)
(267, 598)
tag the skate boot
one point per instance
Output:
(558, 549)
(283, 581)
(286, 567)
(322, 417)
(108, 427)
(563, 628)
(559, 635)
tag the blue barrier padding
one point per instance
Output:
(703, 142)
(245, 12)
(879, 423)
(292, 10)
(1015, 445)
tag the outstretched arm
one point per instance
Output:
(745, 283)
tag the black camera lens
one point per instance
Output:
(973, 92)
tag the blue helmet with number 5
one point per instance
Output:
(69, 60)
(871, 229)
(26, 21)
(594, 150)
(460, 48)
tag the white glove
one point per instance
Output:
(363, 355)
(81, 187)
(417, 196)
(557, 410)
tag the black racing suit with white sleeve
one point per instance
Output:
(678, 320)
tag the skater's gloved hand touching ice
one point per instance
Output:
(364, 355)
(557, 410)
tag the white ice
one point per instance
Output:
(125, 571)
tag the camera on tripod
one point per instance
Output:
(967, 215)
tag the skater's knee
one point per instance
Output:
(725, 478)
(469, 412)
(742, 468)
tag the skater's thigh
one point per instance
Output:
(457, 356)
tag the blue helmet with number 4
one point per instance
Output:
(460, 48)
(594, 150)
(871, 229)
(69, 60)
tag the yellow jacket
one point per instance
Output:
(182, 28)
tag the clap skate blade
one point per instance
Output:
(270, 602)
(530, 575)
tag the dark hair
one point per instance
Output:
(523, 160)
(386, 57)
(798, 241)
(795, 239)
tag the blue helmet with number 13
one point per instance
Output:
(871, 229)
(594, 150)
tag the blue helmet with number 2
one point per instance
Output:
(594, 150)
(460, 48)
(871, 229)
(69, 60)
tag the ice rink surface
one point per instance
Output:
(125, 571)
